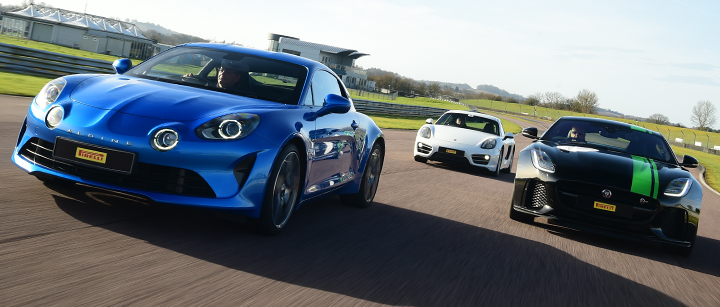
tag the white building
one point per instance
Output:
(340, 60)
(77, 30)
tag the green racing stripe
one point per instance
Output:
(645, 177)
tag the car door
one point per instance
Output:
(333, 138)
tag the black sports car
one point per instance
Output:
(609, 177)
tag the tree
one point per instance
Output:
(552, 100)
(588, 101)
(433, 89)
(533, 99)
(659, 119)
(703, 115)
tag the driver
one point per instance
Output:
(576, 134)
(230, 74)
(460, 121)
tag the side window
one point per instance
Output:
(323, 84)
(309, 97)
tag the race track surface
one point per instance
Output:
(437, 235)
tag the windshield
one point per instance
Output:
(225, 71)
(632, 140)
(469, 121)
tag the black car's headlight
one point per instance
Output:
(228, 127)
(425, 132)
(488, 144)
(678, 187)
(542, 161)
(50, 92)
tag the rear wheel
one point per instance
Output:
(370, 180)
(519, 216)
(282, 192)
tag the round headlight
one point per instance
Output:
(54, 117)
(425, 132)
(165, 139)
(230, 129)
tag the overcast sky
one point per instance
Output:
(640, 57)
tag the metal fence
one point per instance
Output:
(44, 63)
(388, 108)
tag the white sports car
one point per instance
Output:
(467, 138)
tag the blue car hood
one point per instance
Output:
(159, 99)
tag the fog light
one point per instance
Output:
(230, 129)
(54, 117)
(487, 157)
(164, 140)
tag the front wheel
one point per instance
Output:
(421, 159)
(496, 173)
(370, 180)
(510, 164)
(282, 192)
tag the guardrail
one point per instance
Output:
(44, 63)
(389, 108)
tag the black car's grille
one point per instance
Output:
(147, 177)
(672, 221)
(574, 194)
(536, 196)
(479, 159)
(424, 148)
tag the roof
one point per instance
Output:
(474, 113)
(81, 20)
(325, 48)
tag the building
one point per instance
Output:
(340, 60)
(78, 30)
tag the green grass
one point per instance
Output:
(21, 85)
(710, 161)
(421, 101)
(59, 49)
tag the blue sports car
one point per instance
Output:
(208, 125)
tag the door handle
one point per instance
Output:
(354, 125)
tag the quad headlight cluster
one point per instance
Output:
(228, 127)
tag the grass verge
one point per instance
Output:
(21, 85)
(710, 161)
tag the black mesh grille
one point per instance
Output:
(595, 191)
(536, 195)
(147, 177)
(424, 148)
(479, 159)
(672, 221)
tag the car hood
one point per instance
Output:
(159, 99)
(613, 169)
(460, 135)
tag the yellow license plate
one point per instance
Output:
(604, 206)
(451, 151)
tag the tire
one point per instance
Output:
(510, 165)
(496, 173)
(281, 193)
(370, 180)
(681, 250)
(519, 216)
(421, 159)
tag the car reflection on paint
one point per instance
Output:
(609, 177)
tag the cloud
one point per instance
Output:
(696, 66)
(695, 80)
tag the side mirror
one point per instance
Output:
(334, 104)
(530, 132)
(508, 136)
(429, 121)
(121, 66)
(689, 161)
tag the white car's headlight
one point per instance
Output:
(425, 132)
(542, 161)
(488, 144)
(228, 127)
(678, 187)
(50, 92)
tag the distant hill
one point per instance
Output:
(164, 35)
(498, 91)
(461, 86)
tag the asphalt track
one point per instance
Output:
(437, 235)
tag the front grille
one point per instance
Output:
(672, 221)
(581, 196)
(536, 196)
(479, 159)
(449, 158)
(424, 148)
(457, 152)
(595, 191)
(146, 177)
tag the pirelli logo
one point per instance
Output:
(90, 155)
(604, 206)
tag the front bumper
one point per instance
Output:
(218, 174)
(434, 149)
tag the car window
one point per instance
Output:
(470, 121)
(323, 84)
(632, 140)
(183, 64)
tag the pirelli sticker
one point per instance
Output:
(604, 206)
(90, 155)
